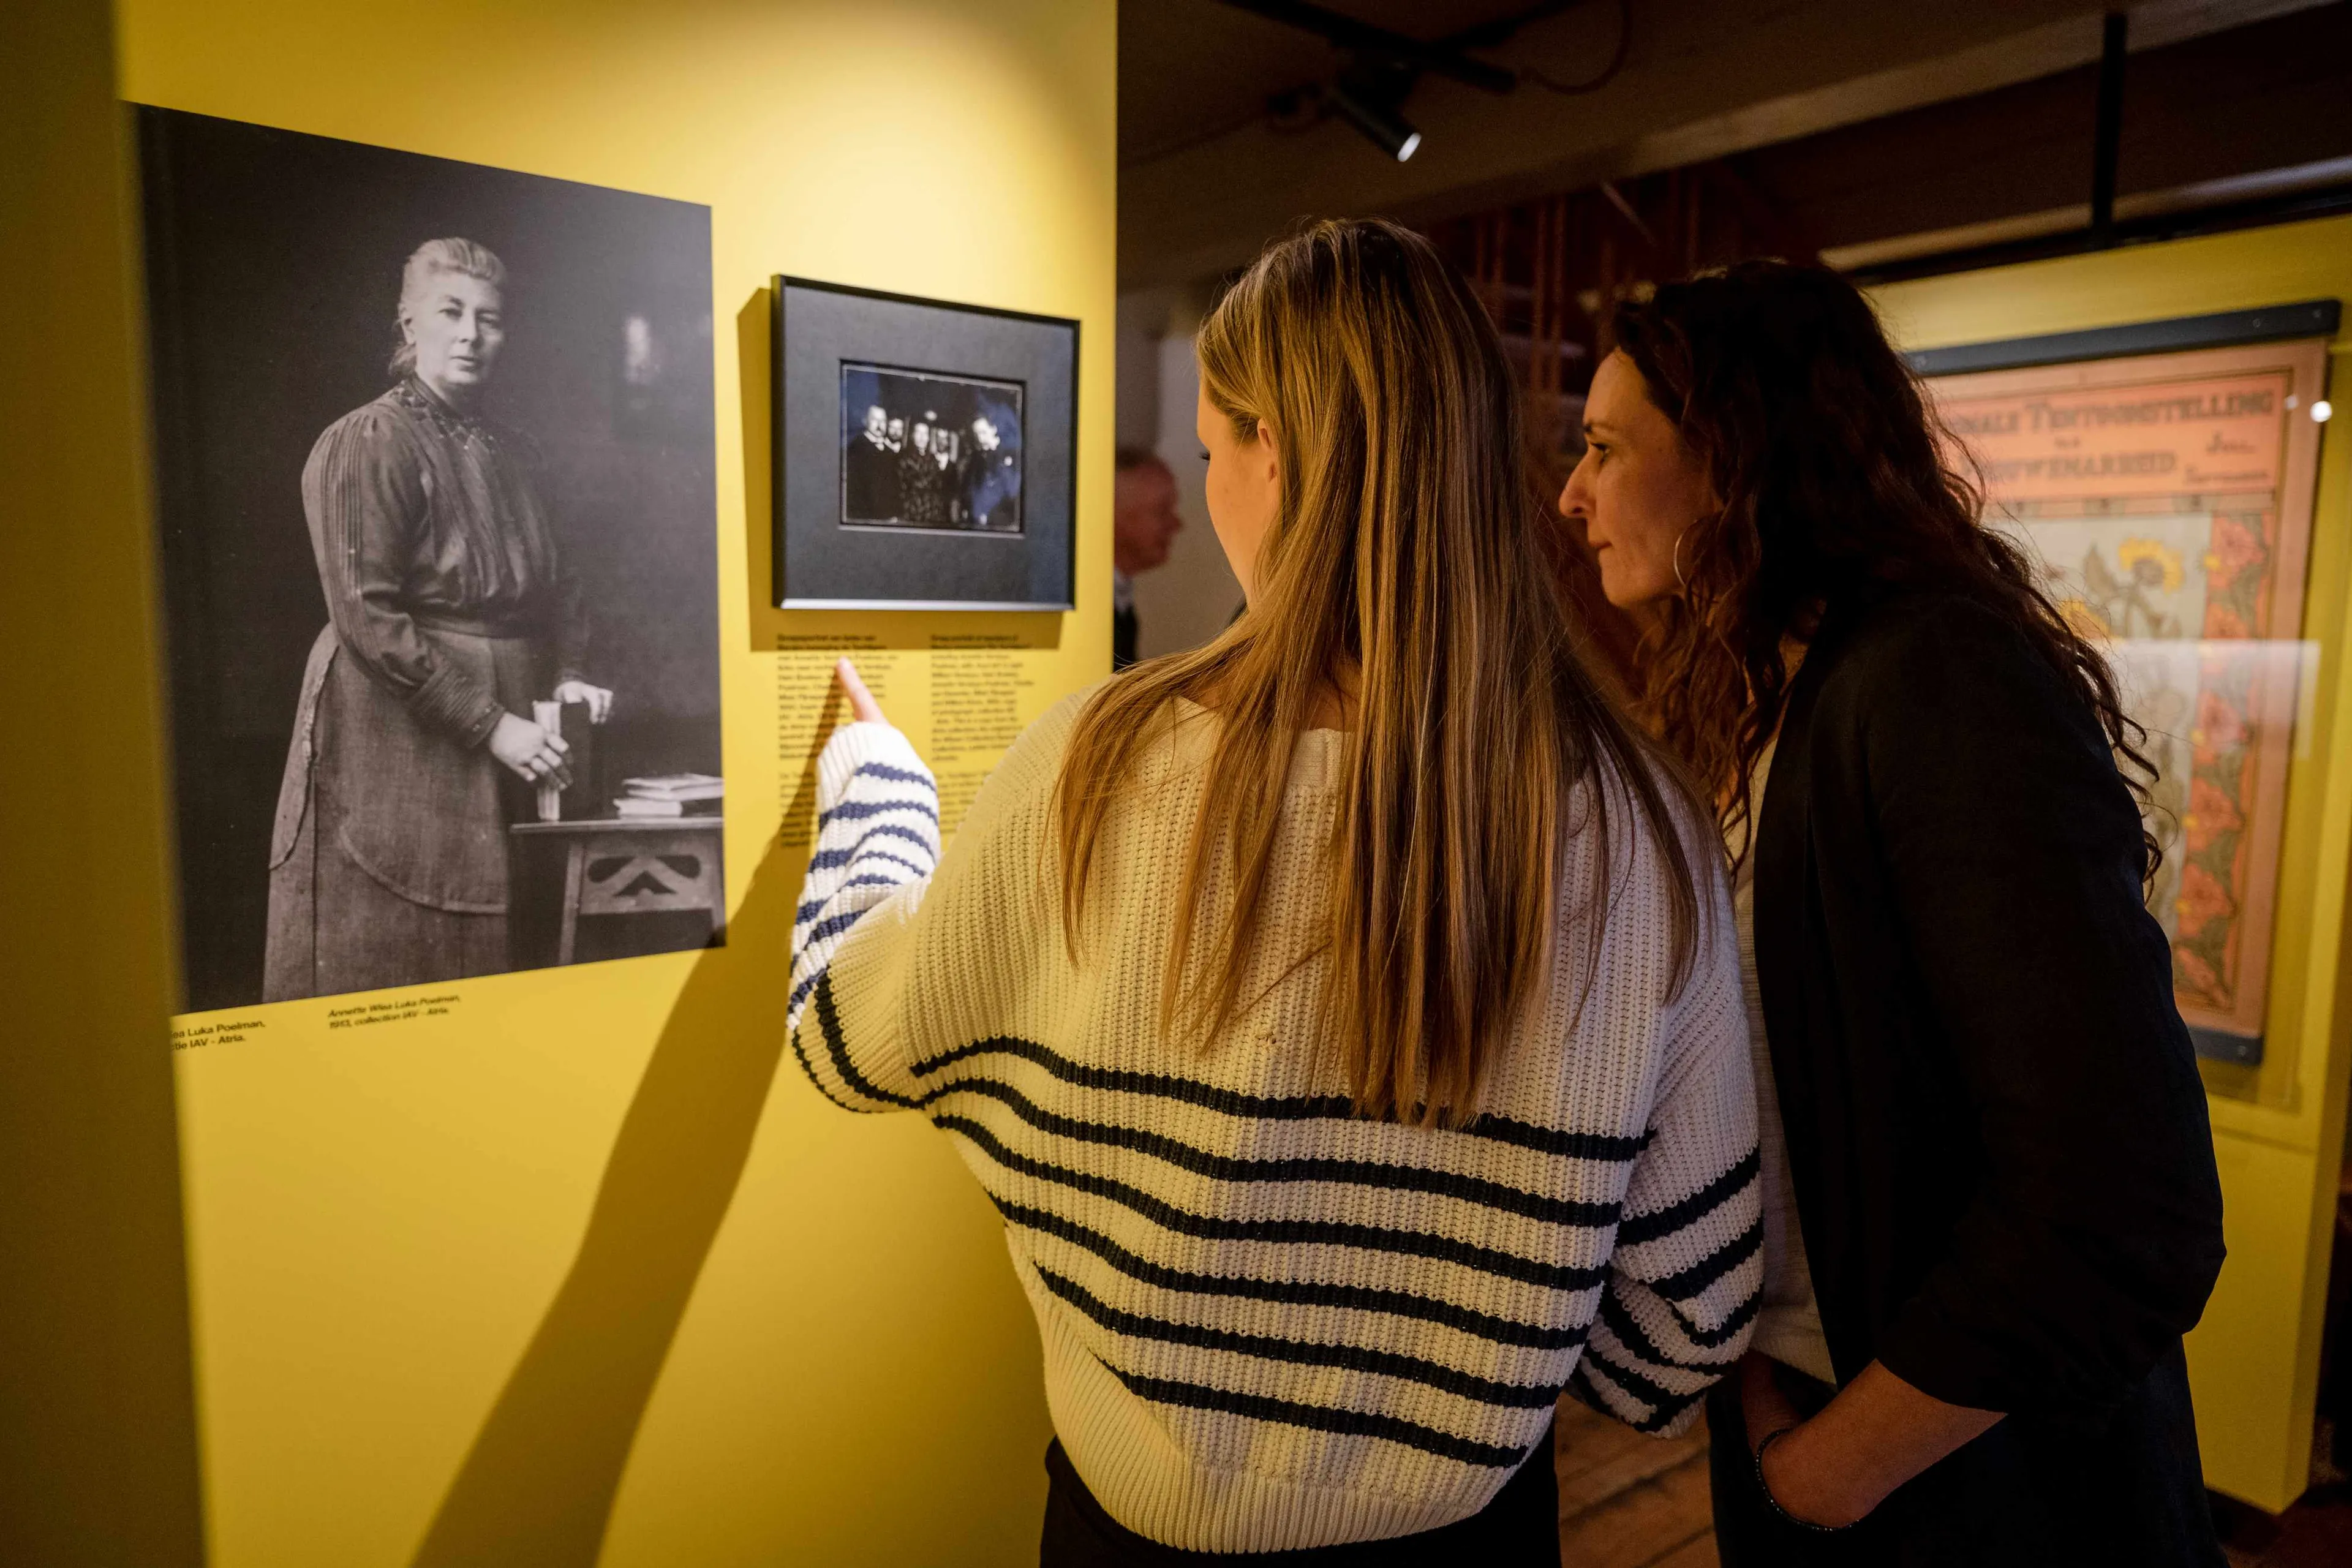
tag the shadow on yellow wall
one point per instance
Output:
(536, 1486)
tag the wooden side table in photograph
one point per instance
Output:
(619, 867)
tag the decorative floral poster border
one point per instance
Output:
(2220, 432)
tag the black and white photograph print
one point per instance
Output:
(437, 498)
(924, 452)
(921, 450)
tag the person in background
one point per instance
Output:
(924, 500)
(1997, 1211)
(870, 471)
(990, 477)
(1345, 1096)
(1144, 524)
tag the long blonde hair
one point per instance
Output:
(1408, 553)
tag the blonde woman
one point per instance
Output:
(1344, 1017)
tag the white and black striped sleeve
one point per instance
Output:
(1687, 1277)
(877, 846)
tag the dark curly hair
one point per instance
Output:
(1837, 480)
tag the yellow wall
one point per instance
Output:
(96, 1418)
(464, 1286)
(2279, 1128)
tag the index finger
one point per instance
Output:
(861, 702)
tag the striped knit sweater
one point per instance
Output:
(1268, 1323)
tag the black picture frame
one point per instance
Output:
(2220, 330)
(970, 545)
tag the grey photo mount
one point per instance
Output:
(825, 562)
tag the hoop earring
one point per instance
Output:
(1680, 581)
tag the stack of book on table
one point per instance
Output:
(671, 795)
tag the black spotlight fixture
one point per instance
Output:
(1369, 94)
(1382, 67)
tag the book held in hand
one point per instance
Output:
(549, 716)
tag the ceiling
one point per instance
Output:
(1193, 69)
(1207, 174)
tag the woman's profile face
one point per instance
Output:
(1244, 488)
(456, 326)
(1638, 488)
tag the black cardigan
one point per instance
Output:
(1996, 1131)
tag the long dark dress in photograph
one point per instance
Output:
(448, 605)
(926, 491)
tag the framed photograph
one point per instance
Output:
(925, 453)
(2167, 496)
(437, 493)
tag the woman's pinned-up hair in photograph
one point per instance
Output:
(462, 256)
(1409, 571)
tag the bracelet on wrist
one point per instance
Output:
(1782, 1514)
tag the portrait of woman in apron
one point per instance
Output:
(450, 612)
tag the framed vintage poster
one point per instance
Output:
(926, 453)
(2169, 495)
(438, 491)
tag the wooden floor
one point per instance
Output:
(1631, 1501)
(2314, 1533)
